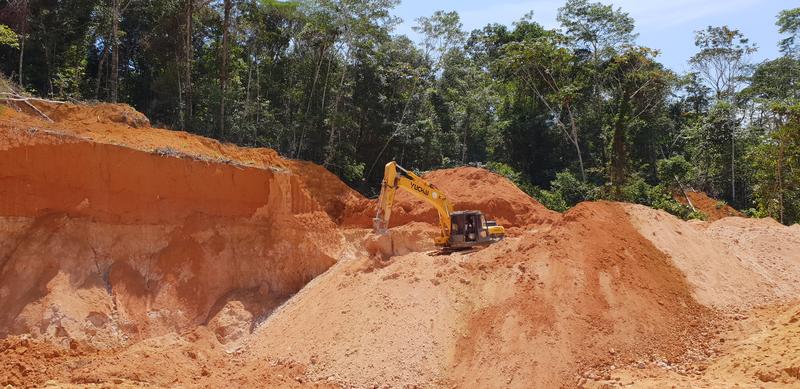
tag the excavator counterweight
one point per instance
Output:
(457, 229)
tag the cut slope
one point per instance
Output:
(109, 241)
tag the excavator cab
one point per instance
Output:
(470, 228)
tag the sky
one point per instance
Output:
(664, 25)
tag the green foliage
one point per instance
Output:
(514, 176)
(789, 23)
(776, 162)
(8, 37)
(565, 191)
(353, 172)
(638, 191)
(674, 171)
(598, 27)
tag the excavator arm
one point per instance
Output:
(394, 178)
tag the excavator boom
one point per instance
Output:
(471, 227)
(396, 177)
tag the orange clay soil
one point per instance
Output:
(470, 188)
(712, 208)
(137, 256)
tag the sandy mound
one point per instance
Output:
(712, 208)
(193, 359)
(590, 290)
(733, 262)
(760, 351)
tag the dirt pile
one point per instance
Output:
(192, 359)
(713, 209)
(733, 262)
(760, 351)
(588, 289)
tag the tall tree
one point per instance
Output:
(554, 75)
(789, 23)
(188, 44)
(638, 85)
(223, 72)
(723, 63)
(115, 15)
(596, 27)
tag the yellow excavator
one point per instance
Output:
(458, 229)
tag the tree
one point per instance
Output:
(595, 27)
(554, 75)
(223, 72)
(20, 12)
(638, 85)
(723, 63)
(186, 112)
(777, 164)
(789, 23)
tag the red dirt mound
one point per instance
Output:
(712, 208)
(533, 311)
(471, 188)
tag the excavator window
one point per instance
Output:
(473, 227)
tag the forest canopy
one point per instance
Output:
(574, 113)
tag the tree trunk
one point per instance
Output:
(223, 75)
(22, 8)
(114, 50)
(618, 151)
(733, 168)
(576, 142)
(100, 67)
(188, 66)
(330, 149)
(780, 180)
(306, 124)
(21, 53)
